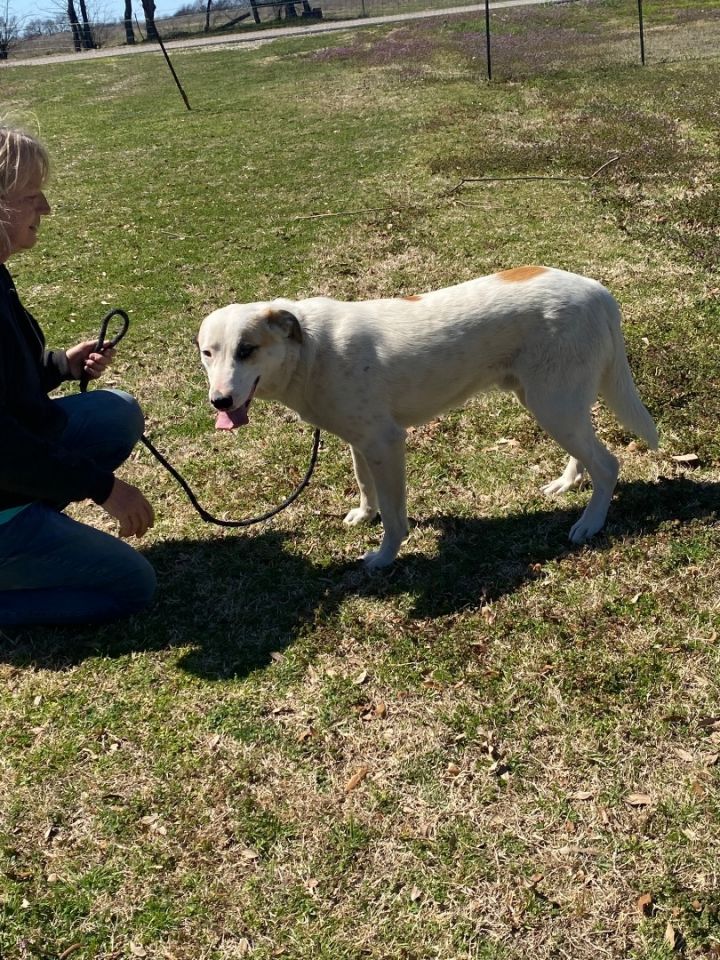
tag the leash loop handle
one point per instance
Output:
(103, 344)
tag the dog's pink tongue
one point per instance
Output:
(228, 421)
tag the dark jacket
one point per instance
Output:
(33, 463)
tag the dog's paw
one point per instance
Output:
(377, 560)
(360, 515)
(584, 530)
(562, 485)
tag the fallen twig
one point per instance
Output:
(345, 213)
(448, 193)
(534, 177)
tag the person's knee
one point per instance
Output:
(128, 416)
(143, 588)
(134, 584)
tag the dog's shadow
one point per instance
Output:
(231, 605)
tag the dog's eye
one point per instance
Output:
(244, 350)
(207, 353)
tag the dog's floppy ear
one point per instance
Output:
(285, 322)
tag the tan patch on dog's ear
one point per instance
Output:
(287, 322)
(520, 274)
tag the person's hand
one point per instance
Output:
(128, 506)
(85, 359)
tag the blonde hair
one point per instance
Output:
(23, 159)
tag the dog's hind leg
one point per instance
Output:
(368, 508)
(566, 417)
(573, 474)
(385, 458)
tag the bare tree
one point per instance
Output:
(74, 26)
(8, 32)
(149, 9)
(45, 26)
(127, 23)
(88, 41)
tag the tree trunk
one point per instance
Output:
(127, 23)
(149, 9)
(87, 36)
(74, 26)
(207, 16)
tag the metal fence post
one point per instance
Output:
(487, 38)
(642, 33)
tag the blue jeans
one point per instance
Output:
(55, 570)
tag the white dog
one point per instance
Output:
(368, 370)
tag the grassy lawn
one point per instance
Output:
(503, 747)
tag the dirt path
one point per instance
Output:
(254, 39)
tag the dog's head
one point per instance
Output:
(242, 346)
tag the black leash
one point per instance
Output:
(103, 344)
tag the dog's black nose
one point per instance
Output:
(222, 403)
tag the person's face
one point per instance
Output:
(24, 209)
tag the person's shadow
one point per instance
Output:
(233, 604)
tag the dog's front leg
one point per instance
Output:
(368, 508)
(385, 458)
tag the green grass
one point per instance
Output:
(286, 757)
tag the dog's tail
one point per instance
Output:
(619, 391)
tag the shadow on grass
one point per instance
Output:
(230, 604)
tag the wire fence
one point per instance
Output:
(635, 31)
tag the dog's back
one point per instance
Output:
(425, 354)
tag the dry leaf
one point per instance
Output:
(357, 778)
(380, 710)
(487, 614)
(645, 904)
(684, 755)
(453, 769)
(51, 832)
(670, 936)
(709, 723)
(361, 678)
(415, 894)
(638, 799)
(687, 460)
(581, 795)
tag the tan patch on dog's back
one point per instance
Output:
(520, 274)
(413, 297)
